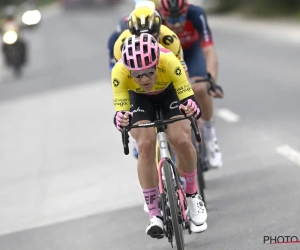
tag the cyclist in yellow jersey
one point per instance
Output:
(147, 20)
(123, 25)
(147, 75)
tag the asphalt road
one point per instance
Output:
(65, 184)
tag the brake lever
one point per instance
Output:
(125, 140)
(194, 126)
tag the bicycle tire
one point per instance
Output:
(200, 175)
(173, 201)
(203, 164)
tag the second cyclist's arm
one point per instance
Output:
(212, 64)
(199, 20)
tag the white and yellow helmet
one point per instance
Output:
(144, 19)
(150, 3)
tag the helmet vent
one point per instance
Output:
(139, 61)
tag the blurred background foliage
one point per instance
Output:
(17, 2)
(267, 8)
(262, 7)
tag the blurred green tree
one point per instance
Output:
(262, 7)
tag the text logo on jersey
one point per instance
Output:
(174, 105)
(168, 40)
(116, 82)
(178, 71)
(138, 110)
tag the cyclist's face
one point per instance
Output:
(145, 78)
(176, 24)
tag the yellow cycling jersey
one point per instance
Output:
(167, 39)
(169, 71)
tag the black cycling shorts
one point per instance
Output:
(144, 106)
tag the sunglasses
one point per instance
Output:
(173, 20)
(145, 72)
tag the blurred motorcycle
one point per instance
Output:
(14, 49)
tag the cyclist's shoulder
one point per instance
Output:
(119, 69)
(123, 36)
(164, 52)
(194, 11)
(166, 58)
(121, 74)
(169, 39)
(113, 38)
(119, 43)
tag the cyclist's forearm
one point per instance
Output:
(211, 61)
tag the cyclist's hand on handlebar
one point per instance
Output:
(218, 93)
(214, 89)
(122, 119)
(190, 108)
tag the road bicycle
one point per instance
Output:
(172, 199)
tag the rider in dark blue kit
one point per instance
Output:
(189, 22)
(111, 41)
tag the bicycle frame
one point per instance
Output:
(164, 156)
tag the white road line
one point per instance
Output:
(289, 153)
(227, 115)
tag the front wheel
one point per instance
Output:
(175, 209)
